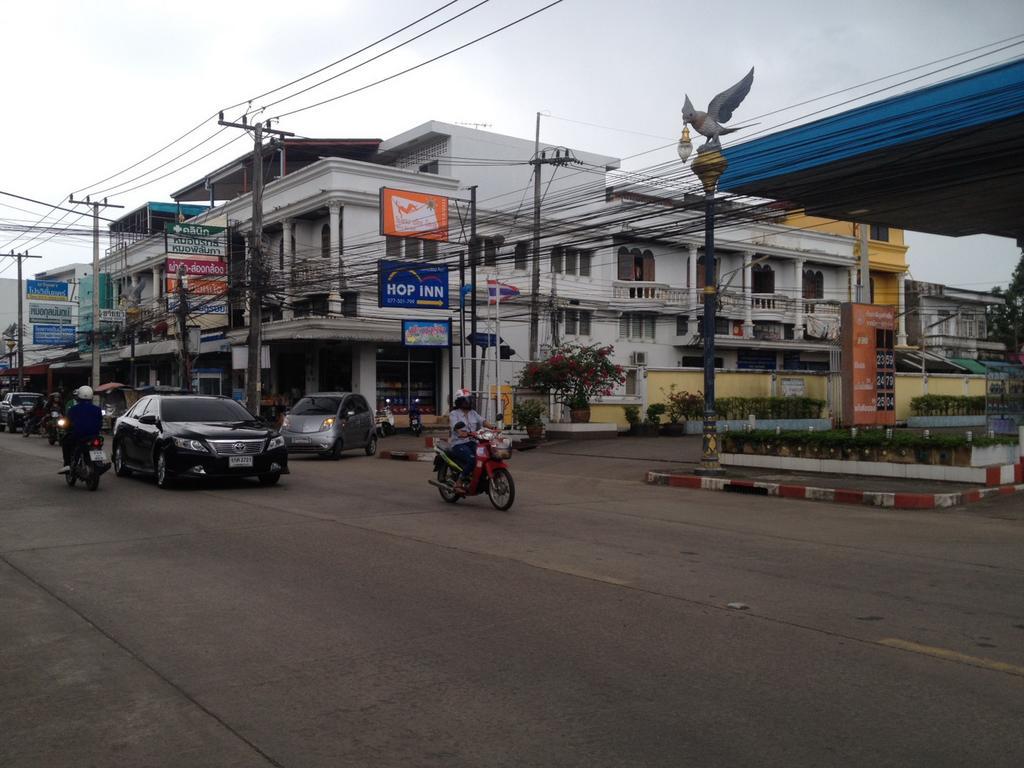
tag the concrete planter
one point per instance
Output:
(696, 426)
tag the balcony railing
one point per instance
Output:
(641, 291)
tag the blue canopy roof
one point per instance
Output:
(948, 159)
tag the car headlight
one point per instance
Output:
(328, 423)
(275, 442)
(286, 422)
(188, 444)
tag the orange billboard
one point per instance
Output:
(413, 214)
(869, 364)
(204, 286)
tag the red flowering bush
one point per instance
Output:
(574, 373)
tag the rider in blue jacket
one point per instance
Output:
(86, 422)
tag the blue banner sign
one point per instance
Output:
(412, 285)
(54, 335)
(46, 290)
(427, 333)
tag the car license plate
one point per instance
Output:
(98, 457)
(239, 461)
(301, 440)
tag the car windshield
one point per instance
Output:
(202, 409)
(24, 399)
(317, 406)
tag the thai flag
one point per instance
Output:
(498, 291)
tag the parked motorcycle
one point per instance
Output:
(88, 463)
(385, 420)
(490, 473)
(415, 422)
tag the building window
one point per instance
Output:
(702, 275)
(682, 325)
(763, 279)
(490, 252)
(638, 326)
(880, 232)
(520, 256)
(635, 264)
(280, 253)
(571, 255)
(814, 284)
(430, 167)
(430, 250)
(576, 322)
(413, 250)
(556, 259)
(325, 241)
(393, 247)
(585, 259)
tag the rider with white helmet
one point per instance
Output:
(86, 421)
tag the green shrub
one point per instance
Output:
(529, 413)
(948, 405)
(843, 439)
(738, 408)
(683, 405)
(655, 411)
(632, 414)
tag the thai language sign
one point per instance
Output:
(197, 267)
(201, 286)
(46, 290)
(426, 333)
(413, 214)
(412, 285)
(54, 335)
(199, 305)
(869, 364)
(55, 314)
(195, 239)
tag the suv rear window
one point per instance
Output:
(202, 409)
(316, 406)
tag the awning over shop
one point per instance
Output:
(971, 365)
(916, 361)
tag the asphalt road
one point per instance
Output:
(349, 617)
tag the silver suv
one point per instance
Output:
(328, 423)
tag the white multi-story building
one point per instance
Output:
(951, 322)
(620, 261)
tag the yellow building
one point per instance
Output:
(887, 258)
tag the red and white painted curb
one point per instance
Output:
(839, 495)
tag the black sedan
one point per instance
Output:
(196, 436)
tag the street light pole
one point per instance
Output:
(709, 167)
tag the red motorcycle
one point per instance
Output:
(490, 473)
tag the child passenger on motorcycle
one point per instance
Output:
(461, 447)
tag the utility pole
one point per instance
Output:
(21, 315)
(863, 295)
(474, 258)
(95, 342)
(186, 367)
(540, 159)
(256, 266)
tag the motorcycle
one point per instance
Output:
(88, 463)
(385, 420)
(53, 426)
(415, 422)
(490, 473)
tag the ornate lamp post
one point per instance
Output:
(709, 165)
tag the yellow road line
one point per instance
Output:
(948, 655)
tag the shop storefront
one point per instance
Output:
(405, 374)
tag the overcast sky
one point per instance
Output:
(92, 88)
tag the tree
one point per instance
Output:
(1006, 321)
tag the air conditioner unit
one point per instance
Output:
(639, 359)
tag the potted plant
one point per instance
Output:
(652, 424)
(633, 418)
(529, 414)
(682, 406)
(573, 374)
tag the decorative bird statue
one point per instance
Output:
(710, 124)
